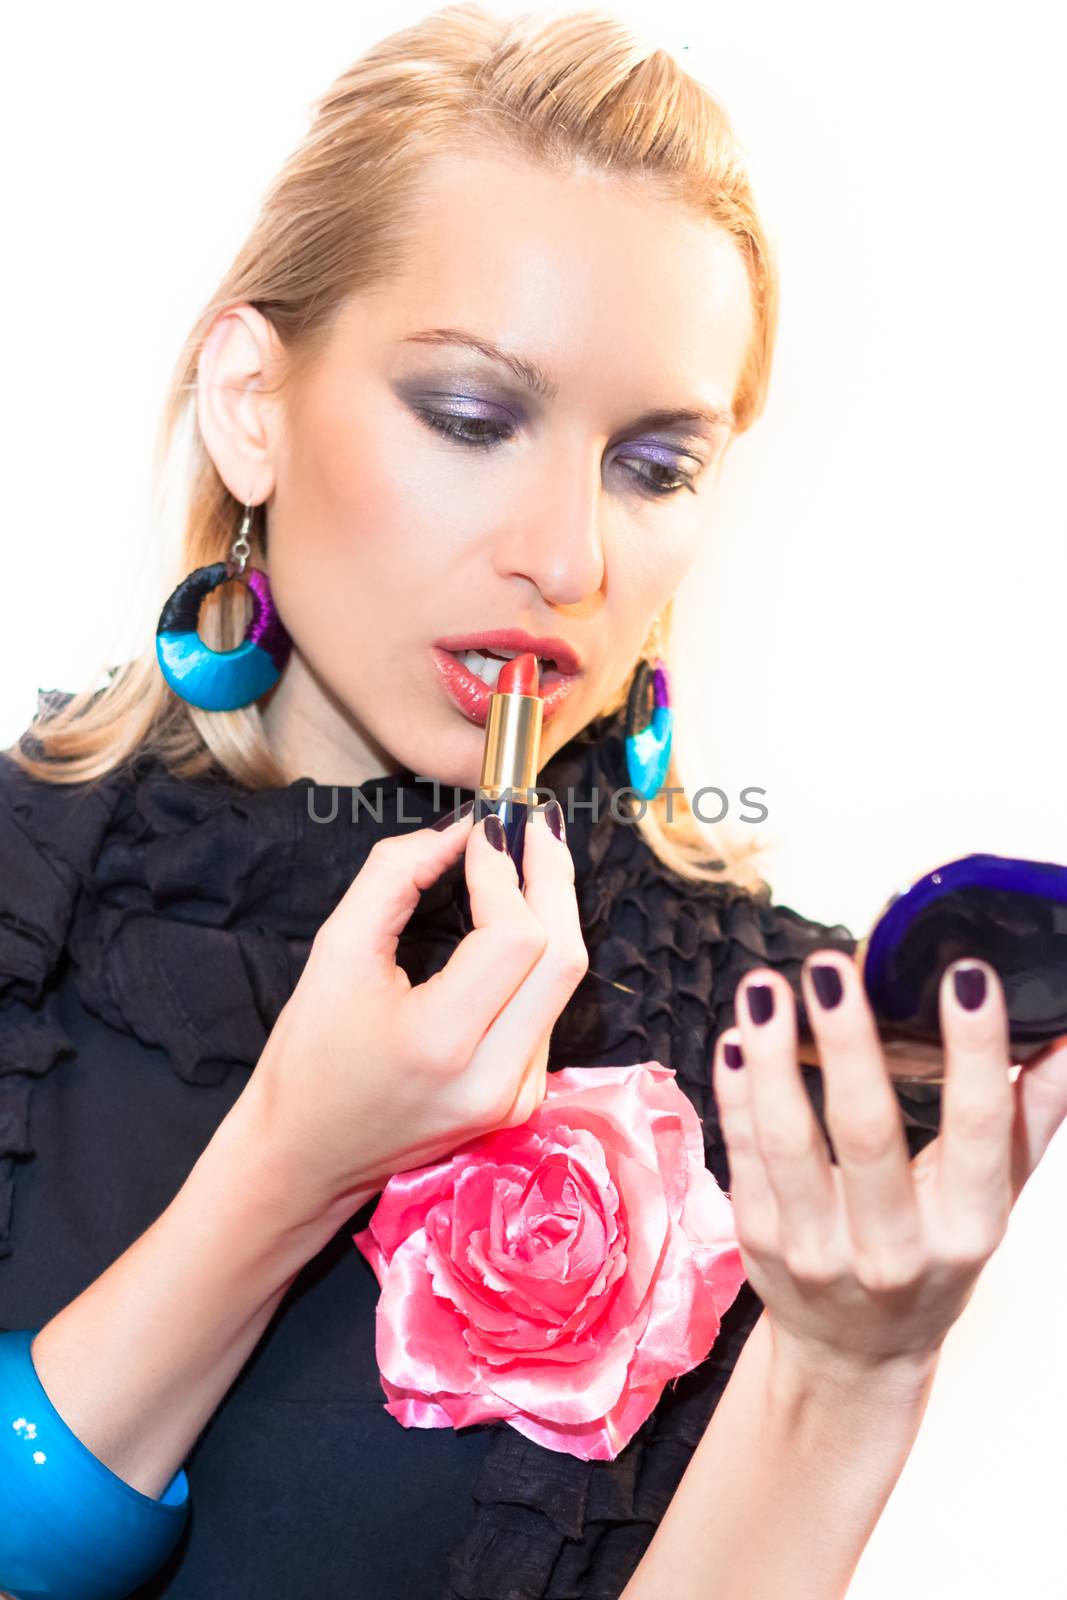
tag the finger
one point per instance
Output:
(1033, 1055)
(535, 1007)
(365, 926)
(977, 1104)
(529, 1091)
(457, 1005)
(862, 1113)
(750, 1193)
(1041, 1104)
(790, 1139)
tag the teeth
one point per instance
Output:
(487, 667)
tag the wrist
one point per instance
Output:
(807, 1371)
(280, 1190)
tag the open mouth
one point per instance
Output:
(486, 664)
(470, 678)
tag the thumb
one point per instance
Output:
(369, 918)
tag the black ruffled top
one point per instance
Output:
(151, 929)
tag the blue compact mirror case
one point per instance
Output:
(1002, 909)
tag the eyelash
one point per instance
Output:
(447, 425)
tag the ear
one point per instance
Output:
(237, 378)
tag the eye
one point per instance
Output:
(486, 435)
(675, 481)
(455, 428)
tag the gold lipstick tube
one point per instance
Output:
(512, 744)
(510, 760)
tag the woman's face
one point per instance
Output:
(420, 490)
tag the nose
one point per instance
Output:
(553, 532)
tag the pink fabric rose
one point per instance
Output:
(558, 1274)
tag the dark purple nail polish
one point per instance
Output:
(494, 832)
(453, 816)
(760, 1002)
(554, 818)
(970, 986)
(731, 1054)
(826, 981)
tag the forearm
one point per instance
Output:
(787, 1484)
(138, 1363)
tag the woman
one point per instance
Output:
(458, 415)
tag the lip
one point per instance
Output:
(472, 696)
(503, 639)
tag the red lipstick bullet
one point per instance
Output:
(511, 757)
(519, 676)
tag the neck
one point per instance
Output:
(311, 734)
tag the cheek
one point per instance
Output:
(344, 475)
(646, 570)
(351, 525)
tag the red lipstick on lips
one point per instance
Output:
(512, 749)
(558, 663)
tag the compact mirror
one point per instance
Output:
(1007, 911)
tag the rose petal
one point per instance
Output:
(598, 1441)
(570, 1394)
(445, 1411)
(685, 1315)
(405, 1201)
(418, 1337)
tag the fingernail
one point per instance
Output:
(554, 818)
(453, 816)
(731, 1054)
(760, 1002)
(494, 832)
(970, 986)
(826, 981)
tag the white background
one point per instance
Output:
(878, 631)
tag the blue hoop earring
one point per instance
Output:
(648, 751)
(222, 680)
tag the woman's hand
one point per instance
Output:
(365, 1075)
(864, 1265)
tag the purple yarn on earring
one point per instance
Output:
(266, 628)
(661, 694)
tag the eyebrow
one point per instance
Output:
(539, 381)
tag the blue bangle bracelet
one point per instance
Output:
(71, 1528)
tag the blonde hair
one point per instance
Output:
(570, 89)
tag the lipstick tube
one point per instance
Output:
(512, 752)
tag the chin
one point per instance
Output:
(450, 753)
